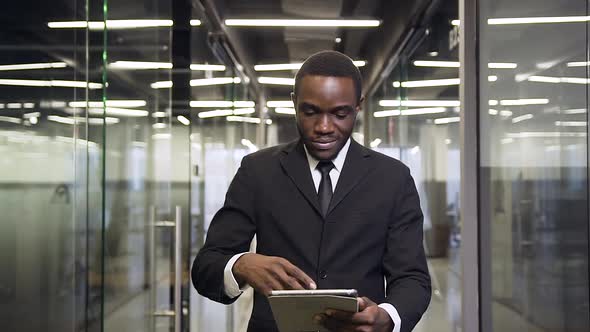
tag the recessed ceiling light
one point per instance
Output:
(338, 40)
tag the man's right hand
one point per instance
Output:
(266, 273)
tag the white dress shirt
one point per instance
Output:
(232, 289)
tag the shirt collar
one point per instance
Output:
(338, 161)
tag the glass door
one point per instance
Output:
(146, 181)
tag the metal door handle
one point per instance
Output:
(177, 225)
(178, 269)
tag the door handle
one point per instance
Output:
(178, 269)
(177, 225)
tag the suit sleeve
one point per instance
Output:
(404, 262)
(230, 233)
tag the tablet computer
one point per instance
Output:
(294, 310)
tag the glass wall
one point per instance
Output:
(414, 117)
(534, 166)
(50, 170)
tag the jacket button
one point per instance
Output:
(323, 274)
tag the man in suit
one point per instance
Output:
(327, 212)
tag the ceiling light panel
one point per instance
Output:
(33, 66)
(111, 24)
(538, 20)
(276, 80)
(294, 66)
(301, 23)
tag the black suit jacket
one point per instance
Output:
(373, 229)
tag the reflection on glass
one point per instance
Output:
(534, 164)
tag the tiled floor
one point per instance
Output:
(443, 315)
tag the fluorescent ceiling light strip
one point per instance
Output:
(146, 65)
(32, 115)
(419, 103)
(492, 111)
(521, 102)
(294, 66)
(50, 83)
(32, 66)
(506, 113)
(545, 134)
(578, 64)
(457, 64)
(161, 85)
(409, 112)
(456, 22)
(159, 114)
(14, 105)
(537, 20)
(430, 83)
(571, 123)
(301, 23)
(280, 103)
(183, 120)
(195, 23)
(502, 65)
(285, 110)
(244, 111)
(243, 104)
(556, 80)
(442, 64)
(522, 118)
(215, 113)
(215, 81)
(10, 119)
(382, 114)
(447, 120)
(247, 119)
(234, 118)
(111, 24)
(276, 80)
(109, 103)
(118, 112)
(575, 111)
(375, 143)
(140, 65)
(205, 67)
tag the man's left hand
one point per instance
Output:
(370, 318)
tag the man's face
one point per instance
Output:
(326, 108)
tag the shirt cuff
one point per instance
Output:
(230, 285)
(397, 321)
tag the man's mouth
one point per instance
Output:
(324, 144)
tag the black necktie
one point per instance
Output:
(325, 190)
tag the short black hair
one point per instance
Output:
(330, 63)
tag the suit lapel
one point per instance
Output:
(295, 164)
(354, 170)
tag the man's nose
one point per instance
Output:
(324, 124)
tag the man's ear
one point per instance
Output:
(293, 98)
(358, 106)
